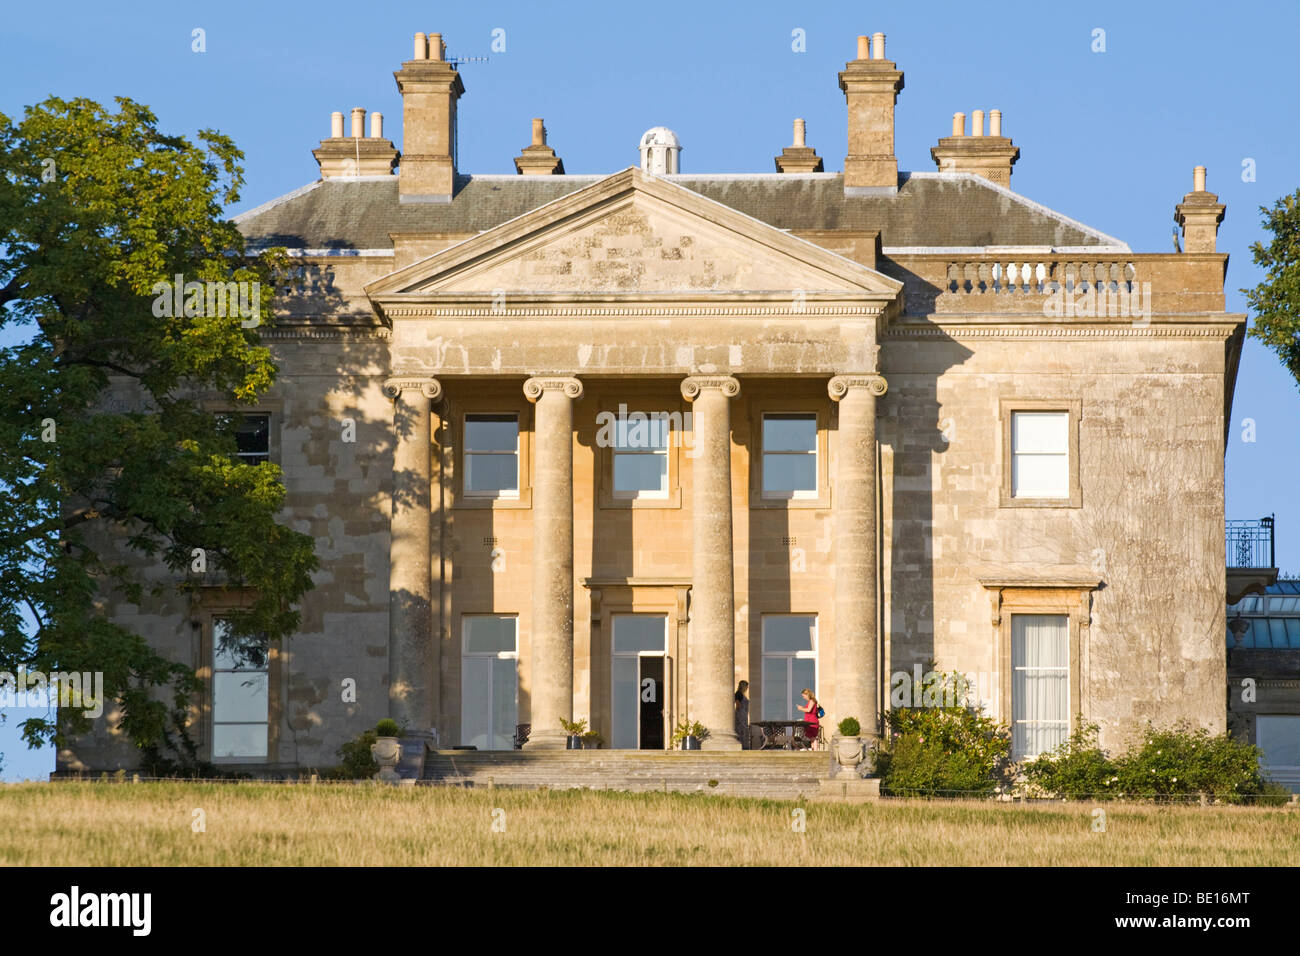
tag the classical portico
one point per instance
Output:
(631, 287)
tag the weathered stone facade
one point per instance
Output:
(911, 318)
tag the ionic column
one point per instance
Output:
(712, 635)
(856, 639)
(413, 665)
(552, 630)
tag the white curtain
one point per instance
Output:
(1040, 683)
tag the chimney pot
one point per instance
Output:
(877, 46)
(376, 125)
(336, 125)
(800, 133)
(421, 47)
(358, 123)
(864, 48)
(1198, 179)
(539, 132)
(995, 123)
(958, 124)
(977, 123)
(435, 46)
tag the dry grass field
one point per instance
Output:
(155, 824)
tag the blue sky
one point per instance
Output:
(1106, 137)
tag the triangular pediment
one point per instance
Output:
(632, 235)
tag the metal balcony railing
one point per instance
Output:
(1250, 543)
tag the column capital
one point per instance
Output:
(692, 385)
(534, 387)
(839, 386)
(430, 387)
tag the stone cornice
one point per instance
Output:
(839, 385)
(431, 388)
(294, 333)
(694, 384)
(534, 387)
(407, 310)
(960, 330)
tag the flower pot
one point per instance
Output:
(573, 742)
(848, 754)
(690, 743)
(386, 751)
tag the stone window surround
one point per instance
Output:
(794, 406)
(453, 419)
(1068, 595)
(608, 401)
(1073, 407)
(637, 595)
(210, 604)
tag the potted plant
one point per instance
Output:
(848, 747)
(575, 729)
(387, 749)
(688, 734)
(592, 740)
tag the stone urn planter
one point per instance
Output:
(848, 747)
(386, 751)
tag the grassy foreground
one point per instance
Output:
(153, 824)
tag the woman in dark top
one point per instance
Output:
(742, 715)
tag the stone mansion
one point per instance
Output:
(603, 446)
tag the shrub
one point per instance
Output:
(574, 728)
(937, 751)
(849, 727)
(358, 764)
(1077, 770)
(1179, 763)
(388, 728)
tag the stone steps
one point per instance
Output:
(774, 775)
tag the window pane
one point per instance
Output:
(776, 705)
(239, 697)
(504, 682)
(239, 740)
(641, 432)
(486, 473)
(640, 472)
(788, 633)
(1040, 432)
(491, 433)
(1279, 737)
(229, 653)
(804, 674)
(789, 433)
(1039, 640)
(789, 473)
(627, 712)
(1040, 476)
(639, 632)
(489, 634)
(476, 702)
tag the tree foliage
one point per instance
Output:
(113, 468)
(1276, 300)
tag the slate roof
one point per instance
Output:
(942, 210)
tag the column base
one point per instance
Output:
(547, 740)
(720, 740)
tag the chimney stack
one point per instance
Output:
(989, 156)
(347, 157)
(430, 88)
(871, 85)
(538, 159)
(1199, 214)
(799, 158)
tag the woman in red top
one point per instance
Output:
(812, 726)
